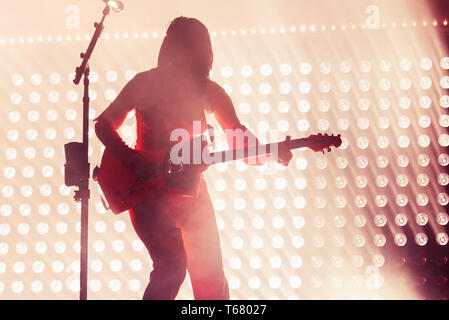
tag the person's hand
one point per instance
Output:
(284, 155)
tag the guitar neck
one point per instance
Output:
(256, 151)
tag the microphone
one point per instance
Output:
(116, 5)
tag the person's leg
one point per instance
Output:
(163, 240)
(202, 245)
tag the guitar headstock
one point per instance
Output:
(321, 142)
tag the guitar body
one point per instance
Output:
(123, 190)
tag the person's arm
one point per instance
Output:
(221, 105)
(112, 118)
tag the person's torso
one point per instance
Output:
(169, 102)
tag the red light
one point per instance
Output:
(421, 261)
(441, 261)
(400, 261)
(442, 281)
(421, 281)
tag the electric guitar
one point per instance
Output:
(173, 174)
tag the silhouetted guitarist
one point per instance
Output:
(179, 232)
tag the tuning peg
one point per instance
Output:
(332, 135)
(329, 149)
(326, 134)
(288, 138)
(339, 135)
(320, 134)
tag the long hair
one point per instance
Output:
(187, 45)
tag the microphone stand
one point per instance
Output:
(83, 193)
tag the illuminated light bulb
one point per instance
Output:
(303, 125)
(53, 96)
(422, 219)
(129, 74)
(443, 199)
(115, 265)
(135, 265)
(235, 263)
(421, 239)
(442, 218)
(293, 29)
(42, 228)
(265, 89)
(227, 71)
(111, 76)
(365, 66)
(266, 70)
(435, 23)
(119, 226)
(444, 82)
(406, 64)
(442, 238)
(275, 282)
(276, 262)
(305, 87)
(95, 285)
(426, 63)
(303, 105)
(405, 83)
(283, 125)
(96, 265)
(380, 240)
(254, 283)
(115, 285)
(305, 68)
(234, 283)
(286, 69)
(57, 266)
(424, 24)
